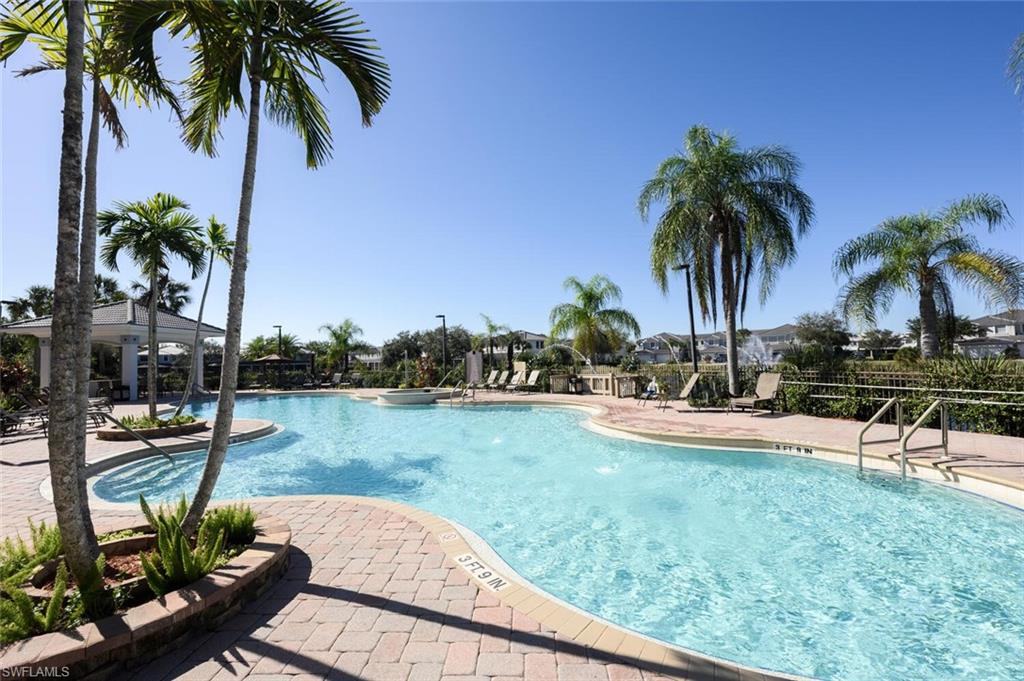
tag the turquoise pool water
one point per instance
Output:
(767, 560)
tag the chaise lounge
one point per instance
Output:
(767, 390)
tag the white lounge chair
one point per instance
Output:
(528, 384)
(516, 380)
(500, 383)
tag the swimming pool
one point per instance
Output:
(767, 560)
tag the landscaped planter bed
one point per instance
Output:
(119, 434)
(96, 650)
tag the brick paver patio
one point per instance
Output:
(371, 595)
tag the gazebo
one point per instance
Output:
(124, 324)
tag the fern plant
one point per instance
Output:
(18, 560)
(20, 618)
(175, 562)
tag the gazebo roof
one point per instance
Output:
(125, 317)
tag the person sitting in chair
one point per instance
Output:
(650, 391)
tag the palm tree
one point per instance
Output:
(67, 459)
(595, 327)
(113, 79)
(281, 45)
(493, 330)
(36, 302)
(728, 212)
(1015, 68)
(173, 296)
(261, 346)
(218, 247)
(107, 290)
(152, 231)
(343, 340)
(924, 254)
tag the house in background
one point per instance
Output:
(1003, 333)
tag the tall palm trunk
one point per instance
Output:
(236, 298)
(729, 308)
(929, 322)
(154, 347)
(197, 350)
(86, 296)
(65, 468)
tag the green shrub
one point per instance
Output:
(118, 534)
(144, 421)
(236, 522)
(18, 560)
(175, 562)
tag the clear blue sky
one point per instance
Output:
(518, 135)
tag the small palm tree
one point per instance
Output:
(172, 295)
(343, 339)
(151, 232)
(728, 213)
(280, 46)
(594, 326)
(924, 254)
(493, 331)
(218, 247)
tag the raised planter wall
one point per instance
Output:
(98, 649)
(119, 434)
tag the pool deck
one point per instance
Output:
(378, 590)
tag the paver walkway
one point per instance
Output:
(370, 595)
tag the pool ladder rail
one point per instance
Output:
(905, 434)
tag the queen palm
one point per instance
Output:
(493, 331)
(594, 326)
(113, 79)
(67, 459)
(218, 247)
(278, 45)
(729, 213)
(924, 254)
(343, 339)
(151, 232)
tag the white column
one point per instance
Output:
(130, 365)
(197, 355)
(44, 362)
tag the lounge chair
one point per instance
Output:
(528, 384)
(483, 384)
(11, 421)
(767, 390)
(500, 383)
(513, 385)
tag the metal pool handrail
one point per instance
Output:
(872, 421)
(937, 404)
